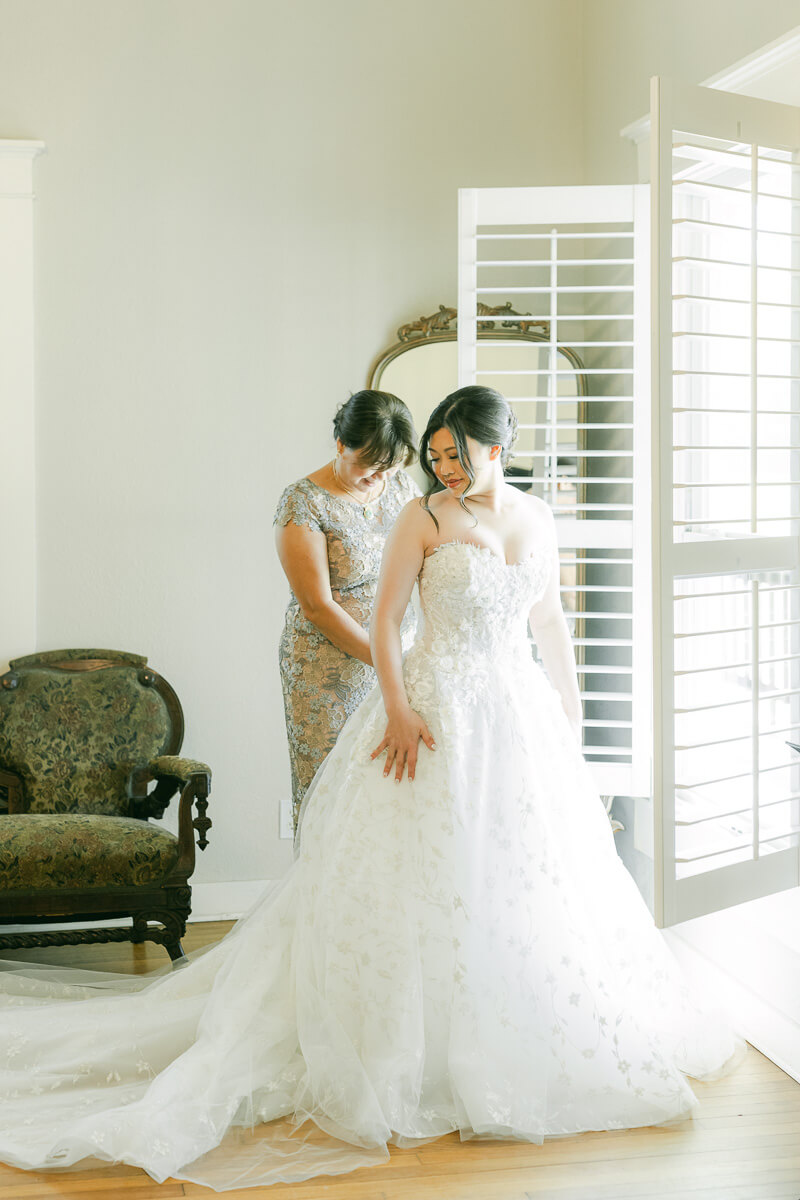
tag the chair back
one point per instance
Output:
(74, 724)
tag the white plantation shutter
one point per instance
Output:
(576, 259)
(726, 490)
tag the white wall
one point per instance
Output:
(239, 204)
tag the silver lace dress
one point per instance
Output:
(322, 685)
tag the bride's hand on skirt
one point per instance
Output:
(401, 743)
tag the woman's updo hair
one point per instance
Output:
(379, 426)
(477, 412)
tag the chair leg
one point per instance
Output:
(139, 933)
(176, 952)
(165, 926)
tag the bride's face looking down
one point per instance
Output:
(452, 472)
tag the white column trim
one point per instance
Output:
(16, 166)
(18, 478)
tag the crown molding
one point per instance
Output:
(758, 64)
(20, 148)
(736, 78)
(16, 167)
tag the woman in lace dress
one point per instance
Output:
(331, 527)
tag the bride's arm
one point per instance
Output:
(402, 560)
(549, 628)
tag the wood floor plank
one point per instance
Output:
(119, 1172)
(654, 1190)
(729, 1145)
(62, 1183)
(101, 1189)
(763, 1185)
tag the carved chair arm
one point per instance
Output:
(12, 796)
(173, 766)
(171, 774)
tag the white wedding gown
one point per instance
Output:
(463, 952)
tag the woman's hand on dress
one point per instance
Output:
(401, 743)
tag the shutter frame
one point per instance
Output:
(697, 113)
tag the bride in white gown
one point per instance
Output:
(456, 945)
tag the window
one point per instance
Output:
(727, 493)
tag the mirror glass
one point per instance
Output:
(547, 402)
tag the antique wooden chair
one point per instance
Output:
(83, 733)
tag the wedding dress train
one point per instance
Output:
(464, 951)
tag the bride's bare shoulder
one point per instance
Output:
(413, 517)
(534, 508)
(420, 508)
(537, 514)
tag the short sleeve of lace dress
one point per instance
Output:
(297, 505)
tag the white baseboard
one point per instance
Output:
(225, 901)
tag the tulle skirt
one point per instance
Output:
(464, 952)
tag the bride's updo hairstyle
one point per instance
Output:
(477, 412)
(379, 426)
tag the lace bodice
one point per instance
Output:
(474, 604)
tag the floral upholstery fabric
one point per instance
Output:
(74, 737)
(76, 850)
(177, 767)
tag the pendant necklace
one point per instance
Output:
(365, 506)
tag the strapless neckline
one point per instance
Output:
(523, 562)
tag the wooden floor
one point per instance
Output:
(744, 1145)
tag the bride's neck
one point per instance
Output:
(491, 493)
